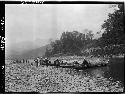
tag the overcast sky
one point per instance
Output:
(45, 22)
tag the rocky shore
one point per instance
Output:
(27, 78)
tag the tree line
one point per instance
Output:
(114, 27)
(69, 43)
(74, 42)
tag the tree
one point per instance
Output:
(114, 27)
(89, 36)
(70, 43)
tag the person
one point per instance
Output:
(61, 63)
(65, 63)
(85, 63)
(46, 61)
(36, 61)
(75, 64)
(41, 59)
(49, 62)
(23, 61)
(56, 62)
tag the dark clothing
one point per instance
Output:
(46, 61)
(75, 63)
(36, 61)
(56, 62)
(85, 63)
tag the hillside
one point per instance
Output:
(108, 50)
(30, 53)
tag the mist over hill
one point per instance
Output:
(38, 52)
(26, 49)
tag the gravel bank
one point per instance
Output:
(27, 78)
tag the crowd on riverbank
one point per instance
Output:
(69, 61)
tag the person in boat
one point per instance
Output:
(85, 63)
(66, 63)
(61, 62)
(75, 64)
(44, 61)
(57, 62)
(49, 62)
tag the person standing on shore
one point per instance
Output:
(36, 62)
(41, 60)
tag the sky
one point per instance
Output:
(46, 22)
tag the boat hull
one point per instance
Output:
(77, 67)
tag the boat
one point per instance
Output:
(75, 64)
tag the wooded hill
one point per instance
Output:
(76, 43)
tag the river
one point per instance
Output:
(114, 72)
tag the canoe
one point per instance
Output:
(79, 67)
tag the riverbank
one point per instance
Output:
(93, 61)
(27, 78)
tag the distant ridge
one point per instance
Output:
(38, 52)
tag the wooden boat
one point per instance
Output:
(94, 66)
(75, 65)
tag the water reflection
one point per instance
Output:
(98, 72)
(94, 72)
(101, 74)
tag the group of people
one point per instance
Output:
(21, 61)
(41, 61)
(57, 62)
(46, 61)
